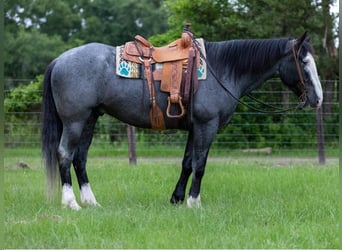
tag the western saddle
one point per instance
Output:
(178, 74)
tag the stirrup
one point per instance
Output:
(180, 105)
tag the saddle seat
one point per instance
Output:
(175, 51)
(179, 60)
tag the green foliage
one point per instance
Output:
(25, 98)
(115, 22)
(166, 38)
(38, 31)
(22, 106)
(212, 20)
(224, 20)
(28, 52)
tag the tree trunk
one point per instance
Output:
(132, 155)
(331, 53)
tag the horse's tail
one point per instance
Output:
(51, 131)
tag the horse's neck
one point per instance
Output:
(246, 63)
(253, 82)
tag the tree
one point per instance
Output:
(60, 18)
(28, 53)
(210, 19)
(115, 22)
(38, 31)
(225, 20)
(328, 58)
(30, 43)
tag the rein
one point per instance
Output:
(276, 109)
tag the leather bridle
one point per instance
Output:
(303, 96)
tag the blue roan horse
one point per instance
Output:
(81, 84)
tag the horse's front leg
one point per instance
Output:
(203, 136)
(179, 192)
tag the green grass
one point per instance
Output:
(121, 150)
(246, 203)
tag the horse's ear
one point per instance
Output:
(303, 38)
(308, 38)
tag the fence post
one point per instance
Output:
(132, 155)
(320, 135)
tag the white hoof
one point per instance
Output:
(68, 198)
(194, 202)
(87, 196)
(72, 205)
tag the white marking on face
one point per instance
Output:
(194, 202)
(68, 198)
(310, 67)
(87, 195)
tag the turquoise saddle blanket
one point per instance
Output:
(129, 69)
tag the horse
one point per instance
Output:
(81, 84)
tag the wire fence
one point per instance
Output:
(292, 132)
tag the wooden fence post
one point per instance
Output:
(320, 135)
(132, 155)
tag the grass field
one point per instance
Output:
(254, 202)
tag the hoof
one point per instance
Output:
(87, 196)
(91, 203)
(68, 198)
(72, 205)
(176, 200)
(194, 202)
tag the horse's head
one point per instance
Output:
(298, 71)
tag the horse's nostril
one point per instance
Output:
(319, 102)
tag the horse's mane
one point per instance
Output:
(245, 56)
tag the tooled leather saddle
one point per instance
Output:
(178, 75)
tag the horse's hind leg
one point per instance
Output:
(69, 141)
(80, 161)
(73, 148)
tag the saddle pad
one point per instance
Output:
(129, 69)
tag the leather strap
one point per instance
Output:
(190, 74)
(156, 115)
(299, 70)
(148, 75)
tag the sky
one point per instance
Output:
(335, 9)
(335, 6)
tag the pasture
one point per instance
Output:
(258, 202)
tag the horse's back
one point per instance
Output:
(89, 60)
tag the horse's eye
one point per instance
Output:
(305, 61)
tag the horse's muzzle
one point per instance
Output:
(312, 103)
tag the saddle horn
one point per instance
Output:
(186, 39)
